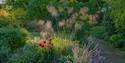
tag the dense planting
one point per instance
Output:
(59, 31)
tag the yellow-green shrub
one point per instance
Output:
(62, 45)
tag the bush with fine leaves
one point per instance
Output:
(118, 40)
(4, 53)
(12, 37)
(118, 14)
(99, 32)
(26, 54)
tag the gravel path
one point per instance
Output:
(109, 54)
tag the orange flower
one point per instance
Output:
(46, 44)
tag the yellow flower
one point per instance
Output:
(4, 13)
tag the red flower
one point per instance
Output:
(41, 45)
(44, 42)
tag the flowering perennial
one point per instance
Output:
(46, 43)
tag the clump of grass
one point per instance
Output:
(90, 53)
(62, 45)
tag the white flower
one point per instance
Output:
(61, 9)
(93, 19)
(62, 23)
(44, 34)
(48, 26)
(74, 16)
(40, 22)
(83, 11)
(52, 10)
(70, 10)
(78, 26)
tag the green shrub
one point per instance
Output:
(32, 53)
(4, 53)
(11, 18)
(65, 35)
(20, 14)
(118, 15)
(5, 21)
(13, 37)
(10, 38)
(99, 32)
(67, 45)
(26, 54)
(118, 40)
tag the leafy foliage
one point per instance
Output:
(28, 53)
(99, 32)
(117, 40)
(35, 9)
(32, 53)
(118, 15)
(12, 37)
(13, 18)
(115, 22)
(67, 20)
